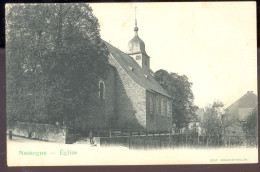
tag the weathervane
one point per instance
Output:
(136, 28)
(135, 17)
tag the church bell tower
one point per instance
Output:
(136, 49)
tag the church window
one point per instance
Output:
(130, 68)
(158, 106)
(165, 107)
(101, 90)
(145, 61)
(138, 57)
(151, 107)
(168, 108)
(162, 108)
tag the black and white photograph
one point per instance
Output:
(131, 83)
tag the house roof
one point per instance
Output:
(249, 100)
(135, 72)
(243, 105)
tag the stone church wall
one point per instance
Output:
(110, 104)
(101, 113)
(130, 100)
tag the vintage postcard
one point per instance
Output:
(131, 83)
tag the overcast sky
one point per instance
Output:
(213, 44)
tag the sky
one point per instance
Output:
(212, 43)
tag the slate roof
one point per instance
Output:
(136, 45)
(135, 72)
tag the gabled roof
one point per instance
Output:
(135, 72)
(249, 100)
(242, 107)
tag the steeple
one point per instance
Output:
(136, 49)
(136, 28)
(136, 45)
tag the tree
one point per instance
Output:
(250, 126)
(55, 57)
(179, 88)
(212, 123)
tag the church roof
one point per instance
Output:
(136, 45)
(135, 72)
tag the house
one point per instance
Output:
(241, 108)
(238, 112)
(193, 125)
(130, 97)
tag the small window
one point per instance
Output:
(130, 68)
(101, 90)
(138, 57)
(145, 61)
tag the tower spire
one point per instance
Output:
(136, 28)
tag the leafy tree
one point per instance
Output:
(55, 57)
(250, 126)
(212, 123)
(179, 88)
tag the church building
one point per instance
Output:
(130, 97)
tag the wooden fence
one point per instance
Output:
(137, 139)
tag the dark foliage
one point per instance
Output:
(55, 57)
(179, 88)
(250, 126)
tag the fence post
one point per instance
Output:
(170, 139)
(198, 139)
(110, 134)
(182, 140)
(66, 135)
(129, 142)
(218, 140)
(186, 140)
(10, 135)
(130, 135)
(160, 139)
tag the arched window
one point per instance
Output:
(101, 90)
